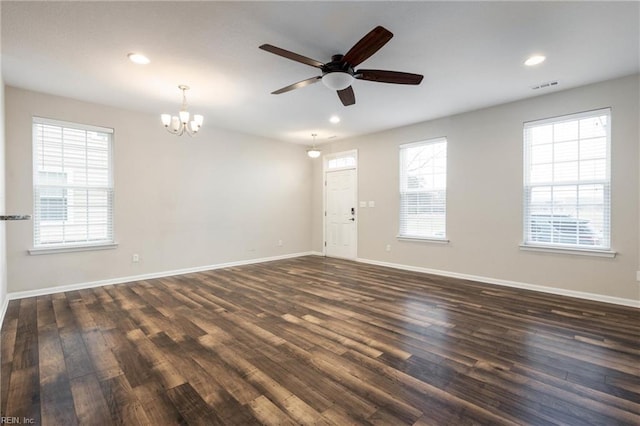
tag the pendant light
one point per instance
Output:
(314, 152)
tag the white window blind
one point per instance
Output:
(72, 184)
(567, 181)
(423, 189)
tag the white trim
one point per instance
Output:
(423, 142)
(122, 280)
(60, 123)
(405, 191)
(3, 309)
(422, 239)
(325, 170)
(534, 287)
(66, 249)
(573, 251)
(528, 186)
(567, 117)
(37, 185)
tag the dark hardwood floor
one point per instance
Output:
(318, 341)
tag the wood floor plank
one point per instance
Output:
(192, 407)
(23, 399)
(318, 341)
(25, 351)
(123, 404)
(268, 413)
(7, 346)
(161, 367)
(203, 382)
(75, 352)
(159, 408)
(90, 405)
(56, 400)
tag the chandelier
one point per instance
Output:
(181, 124)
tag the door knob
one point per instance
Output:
(353, 219)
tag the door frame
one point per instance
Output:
(325, 169)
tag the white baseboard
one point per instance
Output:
(543, 289)
(3, 309)
(121, 280)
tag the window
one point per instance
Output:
(342, 160)
(423, 189)
(72, 185)
(567, 181)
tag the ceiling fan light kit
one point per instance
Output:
(340, 73)
(182, 124)
(337, 80)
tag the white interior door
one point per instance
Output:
(340, 222)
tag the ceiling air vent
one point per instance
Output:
(545, 85)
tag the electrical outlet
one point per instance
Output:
(135, 258)
(279, 243)
(388, 248)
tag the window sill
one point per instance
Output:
(69, 249)
(423, 239)
(568, 250)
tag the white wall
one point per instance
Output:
(180, 202)
(484, 206)
(225, 197)
(3, 257)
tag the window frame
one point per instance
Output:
(403, 236)
(604, 249)
(108, 188)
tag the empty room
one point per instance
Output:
(319, 213)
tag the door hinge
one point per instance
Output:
(325, 243)
(325, 212)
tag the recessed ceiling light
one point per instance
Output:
(138, 58)
(334, 119)
(534, 60)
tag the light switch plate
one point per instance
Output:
(372, 203)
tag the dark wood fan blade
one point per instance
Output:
(347, 96)
(297, 85)
(290, 55)
(383, 76)
(368, 45)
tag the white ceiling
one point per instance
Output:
(471, 54)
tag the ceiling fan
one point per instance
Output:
(340, 72)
